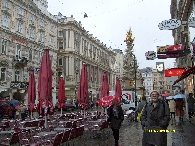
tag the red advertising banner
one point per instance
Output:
(174, 72)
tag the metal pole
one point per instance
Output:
(135, 86)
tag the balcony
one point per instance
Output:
(18, 84)
(19, 62)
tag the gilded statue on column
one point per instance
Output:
(129, 37)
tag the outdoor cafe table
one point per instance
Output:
(61, 129)
(7, 132)
(46, 133)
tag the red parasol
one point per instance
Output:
(61, 94)
(45, 84)
(118, 91)
(107, 101)
(83, 96)
(31, 91)
(105, 86)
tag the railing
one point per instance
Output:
(18, 84)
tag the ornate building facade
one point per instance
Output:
(75, 47)
(182, 10)
(160, 83)
(25, 31)
(118, 67)
(148, 80)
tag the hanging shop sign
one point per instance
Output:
(170, 24)
(165, 56)
(191, 22)
(150, 55)
(170, 49)
(160, 66)
(174, 72)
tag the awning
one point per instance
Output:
(185, 74)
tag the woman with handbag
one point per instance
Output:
(115, 117)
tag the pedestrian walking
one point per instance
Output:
(115, 117)
(172, 106)
(179, 108)
(140, 108)
(191, 102)
(155, 116)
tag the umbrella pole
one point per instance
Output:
(61, 111)
(31, 114)
(45, 121)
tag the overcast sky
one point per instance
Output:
(108, 20)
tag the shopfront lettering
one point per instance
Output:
(15, 38)
(169, 24)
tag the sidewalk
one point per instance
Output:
(184, 135)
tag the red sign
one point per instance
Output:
(175, 48)
(174, 72)
(19, 40)
(169, 56)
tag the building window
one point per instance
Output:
(19, 27)
(30, 55)
(6, 21)
(4, 47)
(41, 22)
(52, 28)
(60, 33)
(20, 11)
(40, 56)
(31, 32)
(60, 62)
(51, 41)
(6, 4)
(31, 18)
(3, 74)
(41, 37)
(18, 51)
(60, 45)
(17, 75)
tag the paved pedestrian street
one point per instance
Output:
(131, 135)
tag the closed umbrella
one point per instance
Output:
(118, 91)
(83, 94)
(31, 92)
(45, 85)
(105, 86)
(104, 90)
(61, 94)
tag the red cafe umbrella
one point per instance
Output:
(83, 96)
(105, 86)
(61, 94)
(45, 84)
(107, 100)
(118, 91)
(31, 91)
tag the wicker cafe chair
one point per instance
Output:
(56, 142)
(14, 139)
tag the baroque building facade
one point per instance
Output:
(148, 80)
(182, 10)
(118, 67)
(75, 47)
(25, 31)
(160, 83)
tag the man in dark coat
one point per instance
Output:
(191, 102)
(155, 117)
(115, 117)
